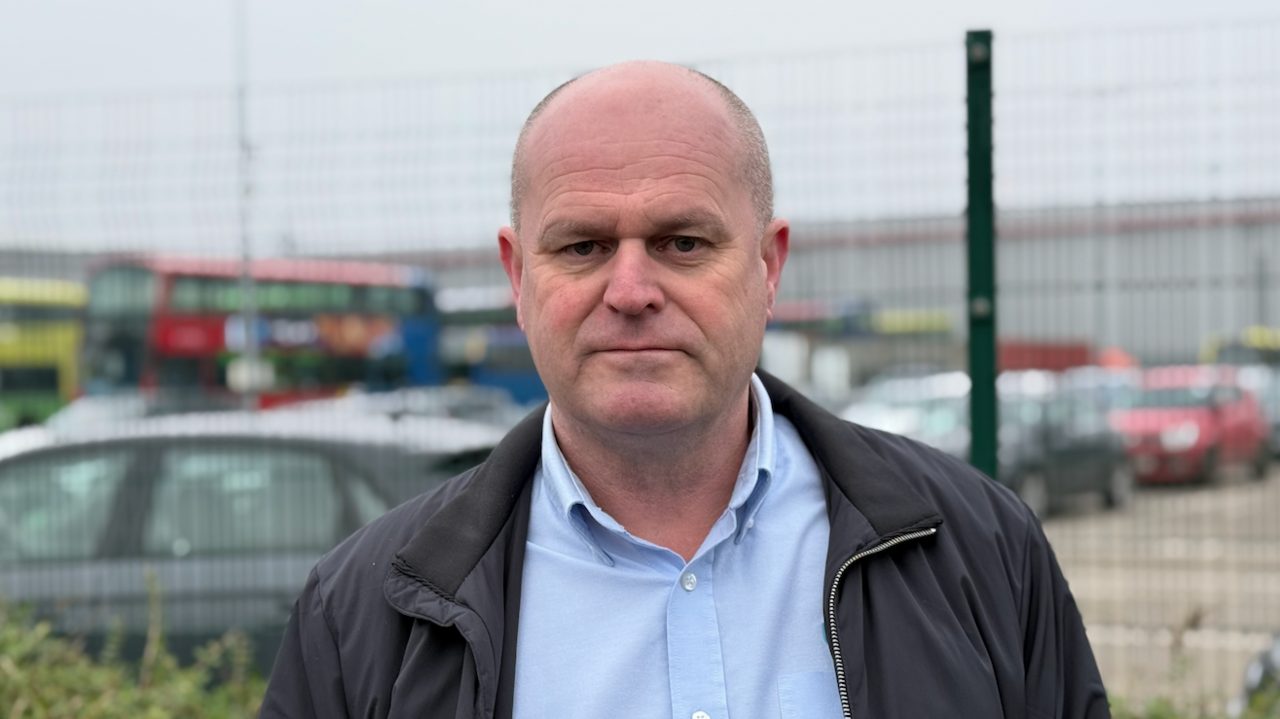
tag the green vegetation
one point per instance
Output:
(43, 676)
(48, 677)
(1263, 706)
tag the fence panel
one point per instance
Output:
(1137, 185)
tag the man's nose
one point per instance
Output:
(633, 280)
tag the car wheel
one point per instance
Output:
(1034, 492)
(1262, 462)
(1119, 486)
(1210, 471)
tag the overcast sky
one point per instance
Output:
(1185, 113)
(64, 47)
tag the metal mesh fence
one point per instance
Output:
(1138, 190)
(1136, 179)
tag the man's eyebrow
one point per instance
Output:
(573, 227)
(693, 219)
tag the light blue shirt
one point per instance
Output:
(614, 626)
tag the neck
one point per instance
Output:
(669, 489)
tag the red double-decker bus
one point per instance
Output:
(176, 324)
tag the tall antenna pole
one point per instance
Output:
(248, 289)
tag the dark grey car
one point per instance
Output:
(228, 512)
(1056, 445)
(1054, 438)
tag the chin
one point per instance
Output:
(641, 408)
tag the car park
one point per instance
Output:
(1187, 424)
(1054, 440)
(228, 511)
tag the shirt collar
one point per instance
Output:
(574, 505)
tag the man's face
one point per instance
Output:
(640, 275)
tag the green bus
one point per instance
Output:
(40, 329)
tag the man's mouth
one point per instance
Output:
(636, 351)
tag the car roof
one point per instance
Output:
(23, 440)
(411, 434)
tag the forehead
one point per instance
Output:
(638, 100)
(632, 133)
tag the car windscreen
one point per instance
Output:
(1173, 397)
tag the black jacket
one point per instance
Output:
(943, 598)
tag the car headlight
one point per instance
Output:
(1180, 437)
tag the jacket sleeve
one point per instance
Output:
(306, 680)
(1062, 679)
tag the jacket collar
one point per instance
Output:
(861, 476)
(453, 539)
(451, 543)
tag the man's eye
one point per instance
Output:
(583, 248)
(685, 244)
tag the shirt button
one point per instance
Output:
(688, 581)
(701, 715)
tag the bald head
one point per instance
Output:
(751, 153)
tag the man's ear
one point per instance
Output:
(774, 246)
(513, 264)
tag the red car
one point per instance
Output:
(1187, 424)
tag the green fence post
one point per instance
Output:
(981, 221)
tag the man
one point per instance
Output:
(676, 535)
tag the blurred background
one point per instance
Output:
(250, 298)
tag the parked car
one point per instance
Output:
(491, 405)
(228, 510)
(1110, 387)
(1264, 383)
(88, 414)
(932, 409)
(1189, 423)
(1054, 442)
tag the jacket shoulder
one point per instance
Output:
(366, 555)
(961, 493)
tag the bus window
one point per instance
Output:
(219, 295)
(393, 300)
(28, 379)
(38, 313)
(185, 294)
(121, 291)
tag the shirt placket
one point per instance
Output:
(693, 645)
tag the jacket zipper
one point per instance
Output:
(831, 609)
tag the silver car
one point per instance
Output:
(227, 511)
